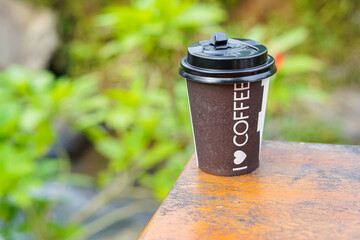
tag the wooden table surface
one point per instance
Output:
(300, 191)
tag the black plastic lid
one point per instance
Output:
(223, 60)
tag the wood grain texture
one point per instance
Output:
(300, 191)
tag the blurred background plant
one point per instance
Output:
(113, 80)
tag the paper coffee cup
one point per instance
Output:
(227, 82)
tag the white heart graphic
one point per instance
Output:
(239, 157)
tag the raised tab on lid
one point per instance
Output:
(219, 40)
(229, 59)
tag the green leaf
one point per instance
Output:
(311, 94)
(9, 117)
(42, 82)
(158, 153)
(123, 96)
(256, 33)
(288, 40)
(112, 148)
(199, 14)
(296, 64)
(31, 119)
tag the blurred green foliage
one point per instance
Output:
(135, 115)
(118, 84)
(30, 103)
(333, 36)
(144, 133)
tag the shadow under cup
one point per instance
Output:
(227, 82)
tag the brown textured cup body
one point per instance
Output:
(227, 121)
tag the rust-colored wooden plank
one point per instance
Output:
(300, 191)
